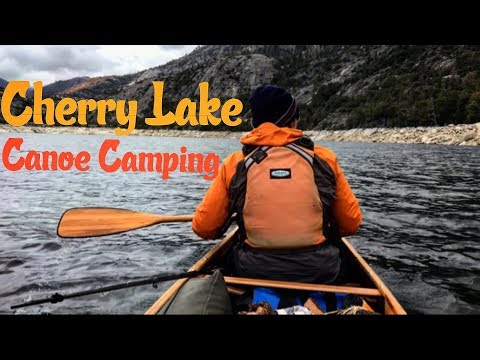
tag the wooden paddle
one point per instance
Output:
(87, 222)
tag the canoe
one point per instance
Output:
(366, 284)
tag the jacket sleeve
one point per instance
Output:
(212, 212)
(345, 208)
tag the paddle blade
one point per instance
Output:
(87, 222)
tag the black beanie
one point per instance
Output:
(270, 103)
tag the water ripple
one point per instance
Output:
(420, 230)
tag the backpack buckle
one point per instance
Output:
(259, 155)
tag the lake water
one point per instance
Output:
(421, 206)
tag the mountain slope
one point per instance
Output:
(3, 82)
(62, 86)
(338, 87)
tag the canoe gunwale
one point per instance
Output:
(392, 306)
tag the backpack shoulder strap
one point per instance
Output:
(301, 152)
(256, 156)
(247, 149)
(305, 142)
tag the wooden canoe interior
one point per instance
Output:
(366, 282)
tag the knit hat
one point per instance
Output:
(271, 103)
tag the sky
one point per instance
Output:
(50, 63)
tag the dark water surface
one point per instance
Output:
(421, 206)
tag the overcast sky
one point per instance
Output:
(50, 63)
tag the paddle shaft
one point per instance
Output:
(55, 298)
(171, 218)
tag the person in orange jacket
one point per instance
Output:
(290, 196)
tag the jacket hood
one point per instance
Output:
(271, 135)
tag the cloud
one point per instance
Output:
(174, 47)
(50, 63)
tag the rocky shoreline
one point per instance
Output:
(463, 134)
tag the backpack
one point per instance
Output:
(283, 195)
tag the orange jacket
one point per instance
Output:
(212, 213)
